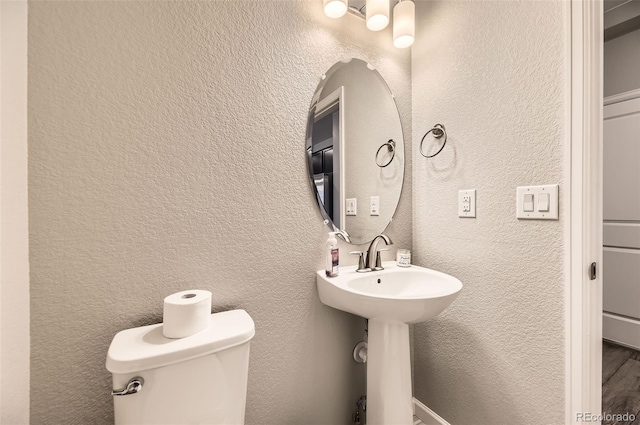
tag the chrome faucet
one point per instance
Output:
(371, 261)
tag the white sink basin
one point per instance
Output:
(393, 295)
(391, 299)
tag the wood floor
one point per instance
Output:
(620, 384)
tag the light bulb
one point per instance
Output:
(404, 24)
(377, 14)
(335, 8)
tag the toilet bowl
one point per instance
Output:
(200, 379)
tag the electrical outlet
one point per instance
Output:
(375, 205)
(467, 203)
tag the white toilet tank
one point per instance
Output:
(200, 379)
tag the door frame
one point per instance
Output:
(339, 152)
(584, 197)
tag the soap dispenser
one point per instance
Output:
(333, 255)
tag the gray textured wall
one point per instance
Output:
(166, 152)
(494, 74)
(622, 64)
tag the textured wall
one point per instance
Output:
(494, 74)
(166, 152)
(622, 64)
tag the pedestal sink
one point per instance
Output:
(391, 299)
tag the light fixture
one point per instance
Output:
(335, 8)
(377, 14)
(404, 27)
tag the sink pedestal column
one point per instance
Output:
(389, 397)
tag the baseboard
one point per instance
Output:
(426, 415)
(622, 330)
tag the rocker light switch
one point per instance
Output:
(543, 202)
(352, 206)
(537, 202)
(528, 202)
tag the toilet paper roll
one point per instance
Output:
(186, 313)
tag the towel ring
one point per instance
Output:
(391, 147)
(438, 131)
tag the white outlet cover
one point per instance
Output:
(375, 205)
(467, 203)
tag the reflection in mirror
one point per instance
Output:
(355, 150)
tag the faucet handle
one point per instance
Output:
(361, 266)
(379, 259)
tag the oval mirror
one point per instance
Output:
(355, 150)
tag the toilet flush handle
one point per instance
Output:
(133, 386)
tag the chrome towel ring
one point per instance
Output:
(438, 131)
(391, 147)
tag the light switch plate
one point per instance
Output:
(467, 203)
(538, 192)
(352, 206)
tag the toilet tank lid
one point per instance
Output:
(143, 348)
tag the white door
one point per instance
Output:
(621, 236)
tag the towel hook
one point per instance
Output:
(438, 131)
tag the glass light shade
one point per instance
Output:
(404, 24)
(335, 8)
(377, 14)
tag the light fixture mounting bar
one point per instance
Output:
(358, 7)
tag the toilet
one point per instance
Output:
(200, 379)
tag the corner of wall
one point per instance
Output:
(493, 87)
(14, 236)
